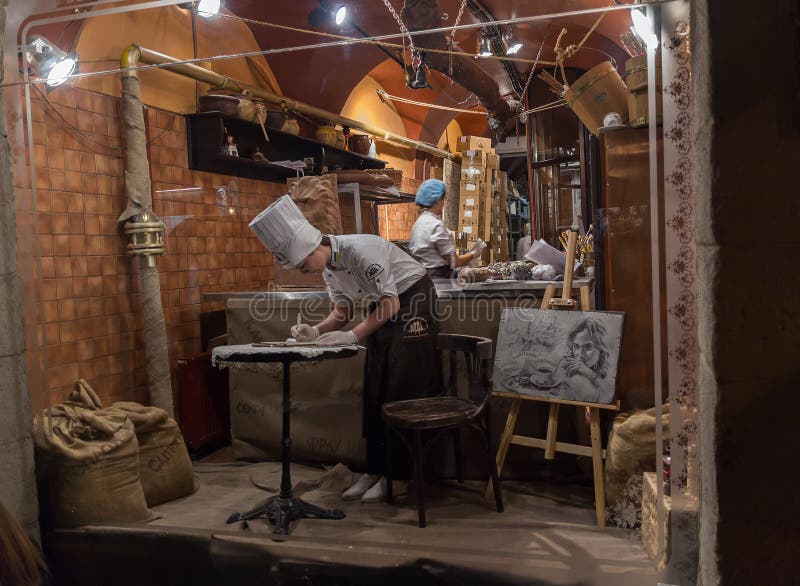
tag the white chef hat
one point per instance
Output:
(286, 233)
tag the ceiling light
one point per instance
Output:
(48, 62)
(644, 29)
(208, 8)
(340, 15)
(484, 45)
(513, 44)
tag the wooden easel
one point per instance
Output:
(549, 443)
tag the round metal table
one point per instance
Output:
(283, 508)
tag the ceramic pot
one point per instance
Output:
(360, 143)
(291, 126)
(341, 141)
(276, 119)
(326, 135)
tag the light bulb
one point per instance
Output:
(514, 48)
(644, 29)
(341, 15)
(61, 71)
(208, 8)
(512, 43)
(484, 45)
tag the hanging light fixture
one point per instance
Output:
(512, 43)
(50, 63)
(643, 28)
(208, 8)
(484, 48)
(420, 80)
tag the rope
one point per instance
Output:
(383, 95)
(386, 96)
(548, 106)
(367, 41)
(569, 51)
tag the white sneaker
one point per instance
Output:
(376, 494)
(361, 486)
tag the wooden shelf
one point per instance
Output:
(206, 136)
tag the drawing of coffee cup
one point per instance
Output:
(542, 374)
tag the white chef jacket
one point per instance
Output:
(367, 266)
(523, 246)
(431, 240)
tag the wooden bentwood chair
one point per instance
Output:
(444, 415)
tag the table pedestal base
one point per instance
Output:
(282, 511)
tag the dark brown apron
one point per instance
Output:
(402, 361)
(442, 272)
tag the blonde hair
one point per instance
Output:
(21, 562)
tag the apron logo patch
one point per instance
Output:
(415, 327)
(373, 271)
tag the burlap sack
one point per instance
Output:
(165, 469)
(83, 393)
(318, 199)
(632, 449)
(87, 465)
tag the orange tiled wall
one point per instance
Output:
(92, 325)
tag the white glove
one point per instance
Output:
(477, 250)
(337, 338)
(305, 333)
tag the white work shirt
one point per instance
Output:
(523, 246)
(431, 240)
(367, 266)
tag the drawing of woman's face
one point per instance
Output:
(584, 349)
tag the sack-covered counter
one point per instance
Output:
(327, 396)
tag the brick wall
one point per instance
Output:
(91, 320)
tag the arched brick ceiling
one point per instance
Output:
(325, 77)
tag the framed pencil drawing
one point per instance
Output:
(564, 355)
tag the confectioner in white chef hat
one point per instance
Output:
(286, 233)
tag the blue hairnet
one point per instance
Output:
(431, 191)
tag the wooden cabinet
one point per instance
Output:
(627, 256)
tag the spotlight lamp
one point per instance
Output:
(340, 15)
(208, 8)
(48, 62)
(484, 48)
(513, 44)
(643, 28)
(324, 13)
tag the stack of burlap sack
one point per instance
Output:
(631, 451)
(99, 465)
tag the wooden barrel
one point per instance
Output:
(596, 93)
(636, 80)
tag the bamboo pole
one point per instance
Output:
(134, 53)
(139, 212)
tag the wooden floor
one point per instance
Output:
(546, 536)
